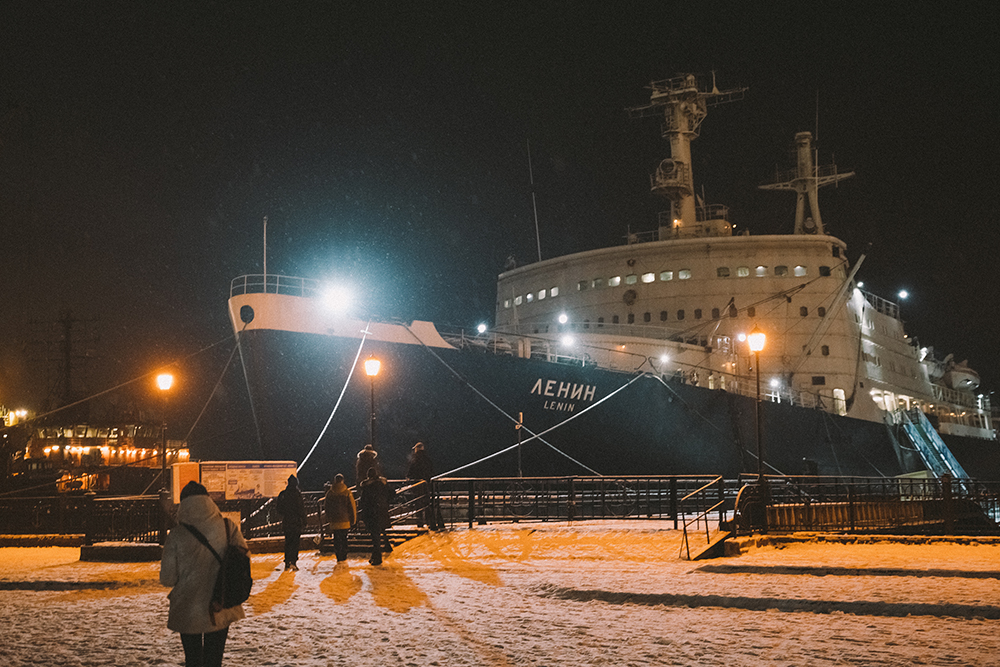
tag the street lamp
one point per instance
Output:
(372, 366)
(164, 381)
(756, 340)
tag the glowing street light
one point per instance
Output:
(372, 367)
(164, 381)
(756, 340)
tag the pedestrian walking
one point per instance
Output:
(341, 513)
(190, 570)
(293, 519)
(367, 458)
(375, 512)
(421, 469)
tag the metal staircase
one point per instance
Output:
(932, 449)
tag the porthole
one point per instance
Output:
(821, 311)
(648, 277)
(803, 311)
(684, 274)
(800, 270)
(666, 275)
(742, 271)
(631, 279)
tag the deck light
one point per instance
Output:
(481, 328)
(563, 318)
(903, 294)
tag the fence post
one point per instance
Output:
(472, 502)
(571, 500)
(949, 507)
(850, 507)
(88, 518)
(164, 499)
(722, 500)
(673, 500)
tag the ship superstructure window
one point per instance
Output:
(615, 281)
(517, 300)
(732, 310)
(722, 272)
(582, 285)
(803, 311)
(600, 321)
(684, 274)
(648, 277)
(825, 349)
(631, 318)
(836, 251)
(506, 303)
(541, 294)
(600, 283)
(840, 402)
(680, 314)
(554, 291)
(751, 312)
(715, 313)
(824, 271)
(666, 275)
(614, 319)
(529, 297)
(663, 316)
(781, 270)
(818, 380)
(647, 317)
(800, 270)
(631, 279)
(821, 311)
(742, 271)
(697, 313)
(761, 271)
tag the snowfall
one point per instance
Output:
(537, 594)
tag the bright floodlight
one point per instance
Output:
(741, 336)
(337, 299)
(903, 294)
(372, 366)
(567, 341)
(775, 383)
(861, 284)
(164, 381)
(563, 318)
(664, 358)
(481, 328)
(756, 339)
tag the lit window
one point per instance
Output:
(529, 297)
(541, 294)
(631, 278)
(582, 285)
(781, 270)
(517, 300)
(742, 271)
(554, 291)
(722, 272)
(761, 271)
(666, 275)
(800, 270)
(684, 274)
(648, 277)
(506, 303)
(599, 283)
(615, 281)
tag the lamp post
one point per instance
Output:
(756, 339)
(164, 381)
(372, 366)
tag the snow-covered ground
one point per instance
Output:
(535, 594)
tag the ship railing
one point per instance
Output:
(955, 396)
(789, 175)
(274, 284)
(881, 305)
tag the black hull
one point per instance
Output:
(455, 400)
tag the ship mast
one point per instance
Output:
(684, 104)
(806, 180)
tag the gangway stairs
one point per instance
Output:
(932, 449)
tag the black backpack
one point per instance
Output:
(233, 583)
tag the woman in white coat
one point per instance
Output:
(190, 569)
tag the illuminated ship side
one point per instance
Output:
(629, 359)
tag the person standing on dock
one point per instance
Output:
(375, 512)
(341, 514)
(421, 469)
(293, 519)
(367, 458)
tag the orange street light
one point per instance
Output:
(756, 340)
(372, 367)
(164, 381)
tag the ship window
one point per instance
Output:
(821, 311)
(666, 275)
(722, 272)
(826, 350)
(506, 303)
(684, 274)
(663, 316)
(840, 402)
(586, 324)
(600, 321)
(582, 285)
(631, 318)
(600, 283)
(715, 313)
(824, 271)
(680, 314)
(800, 270)
(742, 271)
(517, 300)
(648, 277)
(529, 297)
(614, 319)
(818, 380)
(541, 294)
(732, 310)
(781, 270)
(614, 282)
(646, 317)
(554, 291)
(751, 312)
(761, 271)
(836, 251)
(803, 311)
(631, 278)
(697, 313)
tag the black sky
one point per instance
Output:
(141, 146)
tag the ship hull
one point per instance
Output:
(464, 403)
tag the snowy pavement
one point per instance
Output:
(535, 594)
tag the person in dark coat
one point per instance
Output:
(341, 513)
(367, 458)
(375, 512)
(420, 468)
(190, 569)
(293, 519)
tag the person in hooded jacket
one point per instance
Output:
(420, 468)
(292, 508)
(367, 458)
(341, 513)
(375, 511)
(190, 570)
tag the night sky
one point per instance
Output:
(141, 146)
